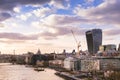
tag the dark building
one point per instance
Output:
(119, 48)
(94, 40)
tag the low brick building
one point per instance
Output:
(102, 63)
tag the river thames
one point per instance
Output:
(20, 72)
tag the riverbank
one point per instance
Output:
(67, 76)
(20, 72)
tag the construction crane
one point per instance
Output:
(78, 44)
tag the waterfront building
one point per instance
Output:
(60, 56)
(56, 64)
(107, 50)
(100, 63)
(94, 40)
(107, 47)
(28, 57)
(108, 62)
(72, 64)
(90, 65)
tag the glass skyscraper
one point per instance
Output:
(94, 40)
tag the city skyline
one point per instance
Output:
(46, 24)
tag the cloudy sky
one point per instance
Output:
(29, 25)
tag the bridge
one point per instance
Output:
(5, 58)
(8, 58)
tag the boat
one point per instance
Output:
(39, 69)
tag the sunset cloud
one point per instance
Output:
(54, 26)
(42, 12)
(12, 41)
(62, 31)
(60, 4)
(10, 4)
(1, 25)
(4, 16)
(17, 36)
(107, 12)
(112, 32)
(54, 19)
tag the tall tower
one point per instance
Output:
(119, 48)
(94, 40)
(38, 52)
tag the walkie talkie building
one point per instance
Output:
(94, 40)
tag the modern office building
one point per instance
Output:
(94, 40)
(107, 47)
(119, 48)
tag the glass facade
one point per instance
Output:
(94, 40)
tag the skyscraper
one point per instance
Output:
(119, 48)
(94, 40)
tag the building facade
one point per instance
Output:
(94, 40)
(119, 48)
(72, 64)
(107, 47)
(102, 63)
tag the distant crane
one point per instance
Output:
(78, 44)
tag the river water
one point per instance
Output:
(20, 72)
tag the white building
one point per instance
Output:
(71, 63)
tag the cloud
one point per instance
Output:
(54, 25)
(17, 36)
(10, 4)
(4, 16)
(17, 9)
(67, 30)
(24, 17)
(106, 12)
(60, 4)
(112, 32)
(88, 3)
(44, 44)
(14, 5)
(55, 19)
(42, 12)
(38, 13)
(12, 41)
(61, 31)
(1, 25)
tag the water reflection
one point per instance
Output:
(20, 72)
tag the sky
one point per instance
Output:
(29, 25)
